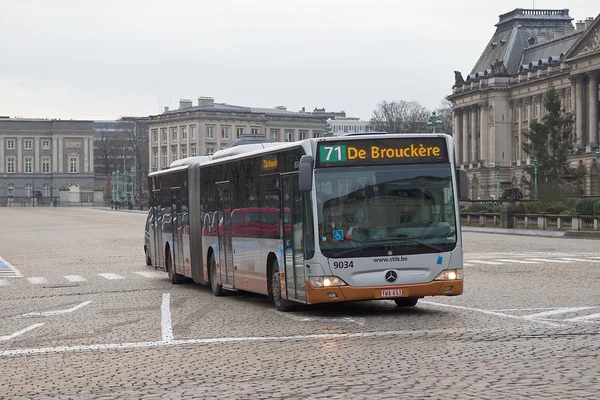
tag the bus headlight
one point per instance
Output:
(450, 275)
(325, 281)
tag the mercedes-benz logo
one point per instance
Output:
(391, 276)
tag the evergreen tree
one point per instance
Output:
(551, 141)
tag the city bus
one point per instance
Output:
(322, 220)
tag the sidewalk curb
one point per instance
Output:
(592, 235)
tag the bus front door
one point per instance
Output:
(156, 236)
(224, 233)
(177, 226)
(291, 215)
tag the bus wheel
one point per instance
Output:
(148, 258)
(406, 301)
(280, 304)
(215, 287)
(173, 276)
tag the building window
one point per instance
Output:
(28, 190)
(45, 144)
(164, 157)
(155, 159)
(239, 131)
(225, 132)
(289, 134)
(73, 165)
(210, 151)
(174, 153)
(274, 135)
(184, 152)
(46, 165)
(304, 134)
(174, 134)
(193, 131)
(28, 144)
(255, 131)
(193, 150)
(10, 164)
(10, 144)
(46, 190)
(11, 190)
(210, 132)
(163, 133)
(183, 133)
(154, 135)
(28, 165)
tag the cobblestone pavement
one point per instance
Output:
(97, 323)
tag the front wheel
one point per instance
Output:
(214, 286)
(280, 304)
(406, 301)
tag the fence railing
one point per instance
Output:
(534, 221)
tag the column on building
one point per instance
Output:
(457, 137)
(593, 108)
(91, 160)
(36, 160)
(86, 144)
(54, 154)
(2, 159)
(169, 152)
(474, 134)
(579, 104)
(19, 166)
(150, 148)
(61, 160)
(519, 146)
(465, 136)
(573, 92)
(483, 133)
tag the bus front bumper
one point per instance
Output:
(354, 293)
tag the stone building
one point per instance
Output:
(208, 127)
(38, 157)
(503, 92)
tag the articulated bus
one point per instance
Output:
(335, 219)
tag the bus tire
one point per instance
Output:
(173, 276)
(214, 286)
(148, 258)
(406, 301)
(280, 304)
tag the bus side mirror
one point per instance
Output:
(306, 174)
(463, 184)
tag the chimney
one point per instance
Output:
(303, 109)
(580, 26)
(184, 103)
(206, 101)
(588, 22)
(166, 108)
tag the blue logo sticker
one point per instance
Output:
(338, 234)
(439, 260)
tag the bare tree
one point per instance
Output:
(444, 113)
(400, 117)
(136, 133)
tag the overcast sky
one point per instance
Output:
(103, 59)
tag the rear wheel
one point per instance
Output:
(406, 301)
(280, 304)
(215, 287)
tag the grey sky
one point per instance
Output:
(103, 59)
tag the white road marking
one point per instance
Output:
(578, 259)
(584, 318)
(547, 260)
(327, 336)
(519, 261)
(38, 280)
(165, 322)
(522, 309)
(6, 265)
(486, 262)
(110, 275)
(358, 321)
(556, 312)
(467, 265)
(3, 282)
(75, 278)
(495, 313)
(150, 274)
(19, 333)
(56, 312)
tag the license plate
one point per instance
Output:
(391, 293)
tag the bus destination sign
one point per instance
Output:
(382, 151)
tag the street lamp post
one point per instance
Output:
(434, 121)
(535, 177)
(497, 181)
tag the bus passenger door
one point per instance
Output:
(291, 215)
(224, 233)
(176, 221)
(156, 240)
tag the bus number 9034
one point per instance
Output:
(343, 264)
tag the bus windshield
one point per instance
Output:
(370, 211)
